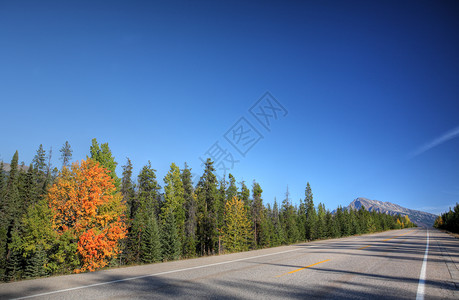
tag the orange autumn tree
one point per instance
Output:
(86, 206)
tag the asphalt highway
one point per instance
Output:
(401, 264)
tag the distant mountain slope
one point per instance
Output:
(422, 219)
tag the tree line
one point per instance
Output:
(449, 220)
(84, 218)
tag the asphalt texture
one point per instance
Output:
(386, 265)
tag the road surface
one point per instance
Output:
(401, 264)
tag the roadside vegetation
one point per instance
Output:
(82, 217)
(449, 220)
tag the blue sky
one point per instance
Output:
(370, 90)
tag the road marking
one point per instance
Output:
(364, 247)
(398, 235)
(153, 275)
(387, 239)
(303, 268)
(422, 276)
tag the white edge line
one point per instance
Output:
(152, 275)
(422, 277)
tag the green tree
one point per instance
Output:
(320, 225)
(104, 156)
(128, 188)
(311, 214)
(174, 201)
(257, 212)
(232, 188)
(289, 219)
(190, 213)
(66, 154)
(145, 209)
(10, 213)
(150, 243)
(169, 237)
(206, 193)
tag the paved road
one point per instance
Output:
(384, 265)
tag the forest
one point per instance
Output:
(449, 220)
(83, 217)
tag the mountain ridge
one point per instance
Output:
(420, 218)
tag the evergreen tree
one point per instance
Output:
(232, 188)
(128, 189)
(311, 214)
(244, 195)
(190, 213)
(66, 154)
(221, 202)
(104, 156)
(145, 209)
(257, 212)
(39, 161)
(289, 219)
(170, 243)
(150, 243)
(320, 225)
(206, 192)
(36, 264)
(10, 213)
(174, 201)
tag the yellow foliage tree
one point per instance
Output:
(237, 229)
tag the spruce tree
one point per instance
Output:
(289, 219)
(146, 208)
(189, 246)
(257, 212)
(170, 244)
(206, 193)
(174, 201)
(104, 156)
(232, 188)
(221, 202)
(66, 154)
(127, 188)
(311, 214)
(150, 243)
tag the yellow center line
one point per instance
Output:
(388, 239)
(303, 268)
(364, 247)
(398, 236)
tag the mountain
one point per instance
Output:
(420, 218)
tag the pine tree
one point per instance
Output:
(257, 212)
(289, 219)
(170, 243)
(206, 193)
(36, 264)
(232, 188)
(150, 244)
(311, 214)
(174, 201)
(190, 213)
(66, 154)
(127, 188)
(103, 155)
(221, 202)
(320, 225)
(244, 195)
(10, 213)
(145, 208)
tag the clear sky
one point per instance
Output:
(366, 92)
